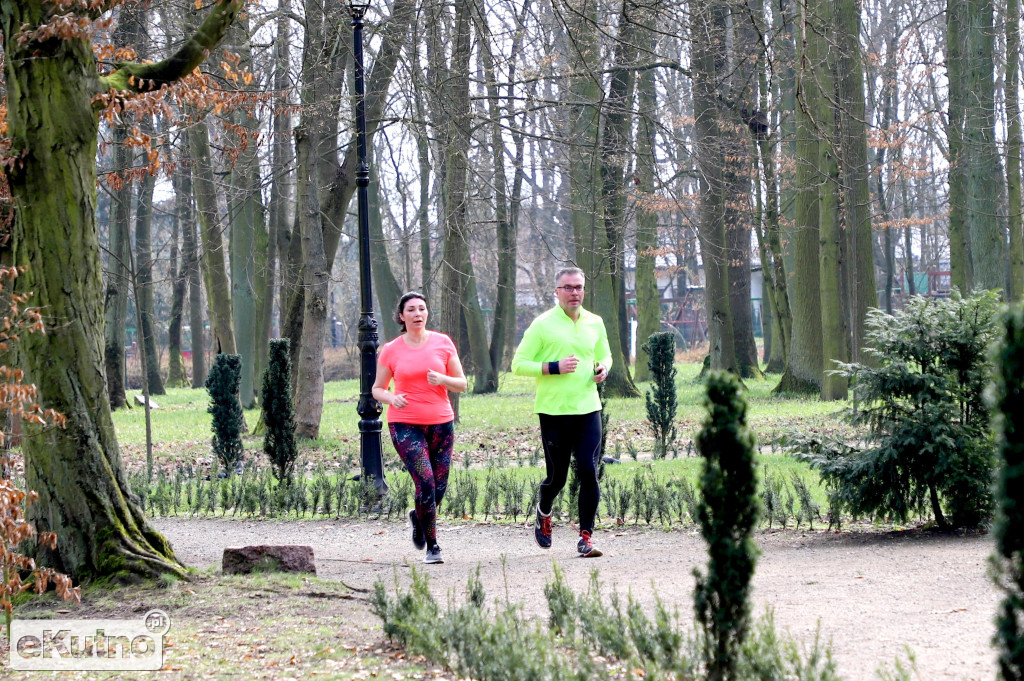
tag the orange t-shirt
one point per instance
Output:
(427, 404)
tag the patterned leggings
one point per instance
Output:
(426, 452)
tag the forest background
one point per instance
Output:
(669, 149)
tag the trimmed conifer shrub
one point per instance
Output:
(728, 514)
(1009, 526)
(278, 411)
(228, 420)
(661, 397)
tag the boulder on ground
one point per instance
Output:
(242, 560)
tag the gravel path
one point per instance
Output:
(873, 594)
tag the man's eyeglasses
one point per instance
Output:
(571, 289)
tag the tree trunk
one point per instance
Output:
(960, 261)
(615, 158)
(988, 250)
(115, 304)
(190, 260)
(820, 88)
(804, 372)
(144, 284)
(309, 392)
(338, 181)
(215, 276)
(597, 247)
(505, 204)
(707, 20)
(247, 238)
(76, 470)
(779, 329)
(648, 299)
(179, 283)
(283, 156)
(384, 283)
(1013, 148)
(853, 160)
(452, 117)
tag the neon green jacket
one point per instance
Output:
(551, 337)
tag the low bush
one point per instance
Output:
(1008, 560)
(927, 445)
(499, 644)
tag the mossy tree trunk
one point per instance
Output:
(819, 85)
(708, 20)
(115, 303)
(597, 242)
(804, 370)
(212, 261)
(853, 161)
(248, 240)
(983, 164)
(961, 269)
(648, 298)
(1013, 148)
(53, 126)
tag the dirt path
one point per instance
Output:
(874, 594)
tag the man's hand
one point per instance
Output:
(600, 372)
(435, 377)
(568, 364)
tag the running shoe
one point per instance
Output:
(433, 555)
(418, 539)
(585, 547)
(542, 529)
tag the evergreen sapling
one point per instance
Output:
(222, 384)
(278, 412)
(661, 398)
(728, 514)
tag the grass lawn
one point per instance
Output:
(497, 425)
(496, 431)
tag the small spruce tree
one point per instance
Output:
(728, 514)
(1009, 526)
(278, 412)
(222, 383)
(928, 442)
(661, 398)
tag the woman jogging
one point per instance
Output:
(425, 366)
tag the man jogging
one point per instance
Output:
(566, 349)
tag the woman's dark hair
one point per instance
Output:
(411, 295)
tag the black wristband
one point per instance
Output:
(553, 368)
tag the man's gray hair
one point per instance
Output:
(568, 270)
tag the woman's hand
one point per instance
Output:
(399, 401)
(435, 377)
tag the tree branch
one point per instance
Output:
(135, 77)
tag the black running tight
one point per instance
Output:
(563, 436)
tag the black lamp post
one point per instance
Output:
(369, 409)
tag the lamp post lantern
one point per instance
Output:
(368, 408)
